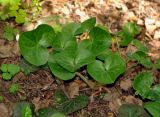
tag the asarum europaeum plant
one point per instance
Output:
(69, 54)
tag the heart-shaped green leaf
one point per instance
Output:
(153, 108)
(58, 70)
(128, 32)
(100, 39)
(107, 72)
(33, 44)
(86, 26)
(74, 58)
(64, 39)
(142, 84)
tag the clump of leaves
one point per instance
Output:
(10, 33)
(9, 70)
(14, 88)
(69, 54)
(12, 8)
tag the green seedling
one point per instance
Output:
(14, 88)
(9, 70)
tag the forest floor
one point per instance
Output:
(39, 87)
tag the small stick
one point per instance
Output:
(84, 79)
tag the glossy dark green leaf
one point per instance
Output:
(153, 108)
(33, 44)
(142, 58)
(129, 31)
(86, 26)
(130, 110)
(100, 39)
(63, 40)
(142, 83)
(73, 105)
(58, 70)
(71, 28)
(74, 58)
(23, 109)
(107, 72)
(104, 54)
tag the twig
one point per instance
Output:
(63, 88)
(85, 80)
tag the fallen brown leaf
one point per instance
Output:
(73, 89)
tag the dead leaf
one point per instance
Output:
(155, 43)
(10, 49)
(132, 100)
(114, 105)
(73, 89)
(111, 96)
(4, 110)
(157, 34)
(40, 103)
(126, 84)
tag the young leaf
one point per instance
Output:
(86, 26)
(107, 72)
(130, 110)
(142, 84)
(14, 88)
(13, 69)
(9, 33)
(153, 108)
(6, 76)
(4, 67)
(142, 58)
(100, 40)
(128, 32)
(33, 44)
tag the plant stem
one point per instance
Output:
(85, 80)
